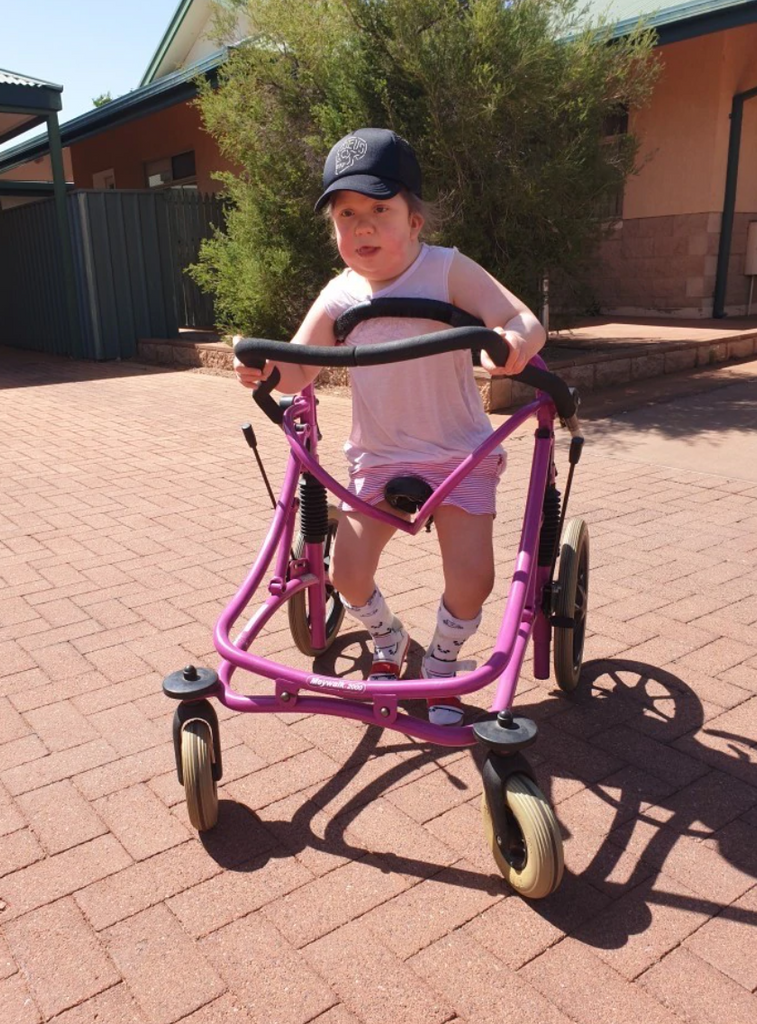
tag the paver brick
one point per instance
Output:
(60, 955)
(62, 764)
(279, 780)
(349, 956)
(116, 773)
(60, 726)
(650, 755)
(697, 992)
(380, 827)
(151, 950)
(58, 876)
(229, 895)
(17, 850)
(425, 913)
(586, 990)
(116, 1005)
(140, 821)
(328, 902)
(226, 1010)
(699, 864)
(16, 1003)
(479, 986)
(274, 983)
(720, 941)
(145, 884)
(12, 725)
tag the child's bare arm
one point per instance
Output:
(475, 290)
(316, 329)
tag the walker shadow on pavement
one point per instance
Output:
(663, 707)
(648, 701)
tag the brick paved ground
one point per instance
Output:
(347, 880)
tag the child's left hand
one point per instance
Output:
(515, 361)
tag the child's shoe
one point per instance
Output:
(390, 651)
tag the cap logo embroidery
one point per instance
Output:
(352, 150)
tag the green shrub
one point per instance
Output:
(505, 103)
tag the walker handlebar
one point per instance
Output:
(255, 352)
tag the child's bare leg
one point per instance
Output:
(359, 544)
(468, 563)
(467, 546)
(360, 541)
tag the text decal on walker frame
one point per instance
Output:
(345, 685)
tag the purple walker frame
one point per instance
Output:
(376, 703)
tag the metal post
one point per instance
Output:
(64, 230)
(729, 201)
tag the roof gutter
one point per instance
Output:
(729, 201)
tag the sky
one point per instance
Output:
(87, 46)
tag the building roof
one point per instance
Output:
(165, 92)
(25, 102)
(11, 78)
(674, 22)
(189, 19)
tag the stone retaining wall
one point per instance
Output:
(589, 372)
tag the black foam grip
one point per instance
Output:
(250, 350)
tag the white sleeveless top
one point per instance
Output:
(426, 411)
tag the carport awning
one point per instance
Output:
(25, 103)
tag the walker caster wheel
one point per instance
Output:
(197, 768)
(527, 846)
(572, 604)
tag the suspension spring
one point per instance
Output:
(314, 510)
(550, 527)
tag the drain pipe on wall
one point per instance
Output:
(729, 201)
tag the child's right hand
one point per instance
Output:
(248, 376)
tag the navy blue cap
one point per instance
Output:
(373, 161)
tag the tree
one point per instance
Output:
(505, 104)
(102, 99)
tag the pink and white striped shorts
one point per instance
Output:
(476, 493)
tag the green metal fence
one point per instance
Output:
(130, 252)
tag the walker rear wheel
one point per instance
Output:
(298, 607)
(197, 768)
(572, 604)
(530, 855)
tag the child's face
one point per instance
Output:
(377, 238)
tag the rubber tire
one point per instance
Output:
(197, 767)
(573, 602)
(299, 620)
(541, 871)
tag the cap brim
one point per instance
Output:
(365, 184)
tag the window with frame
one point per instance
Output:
(165, 172)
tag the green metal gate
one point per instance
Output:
(130, 249)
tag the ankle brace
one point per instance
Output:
(375, 615)
(449, 636)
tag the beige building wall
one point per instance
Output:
(661, 258)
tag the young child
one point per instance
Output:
(421, 417)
